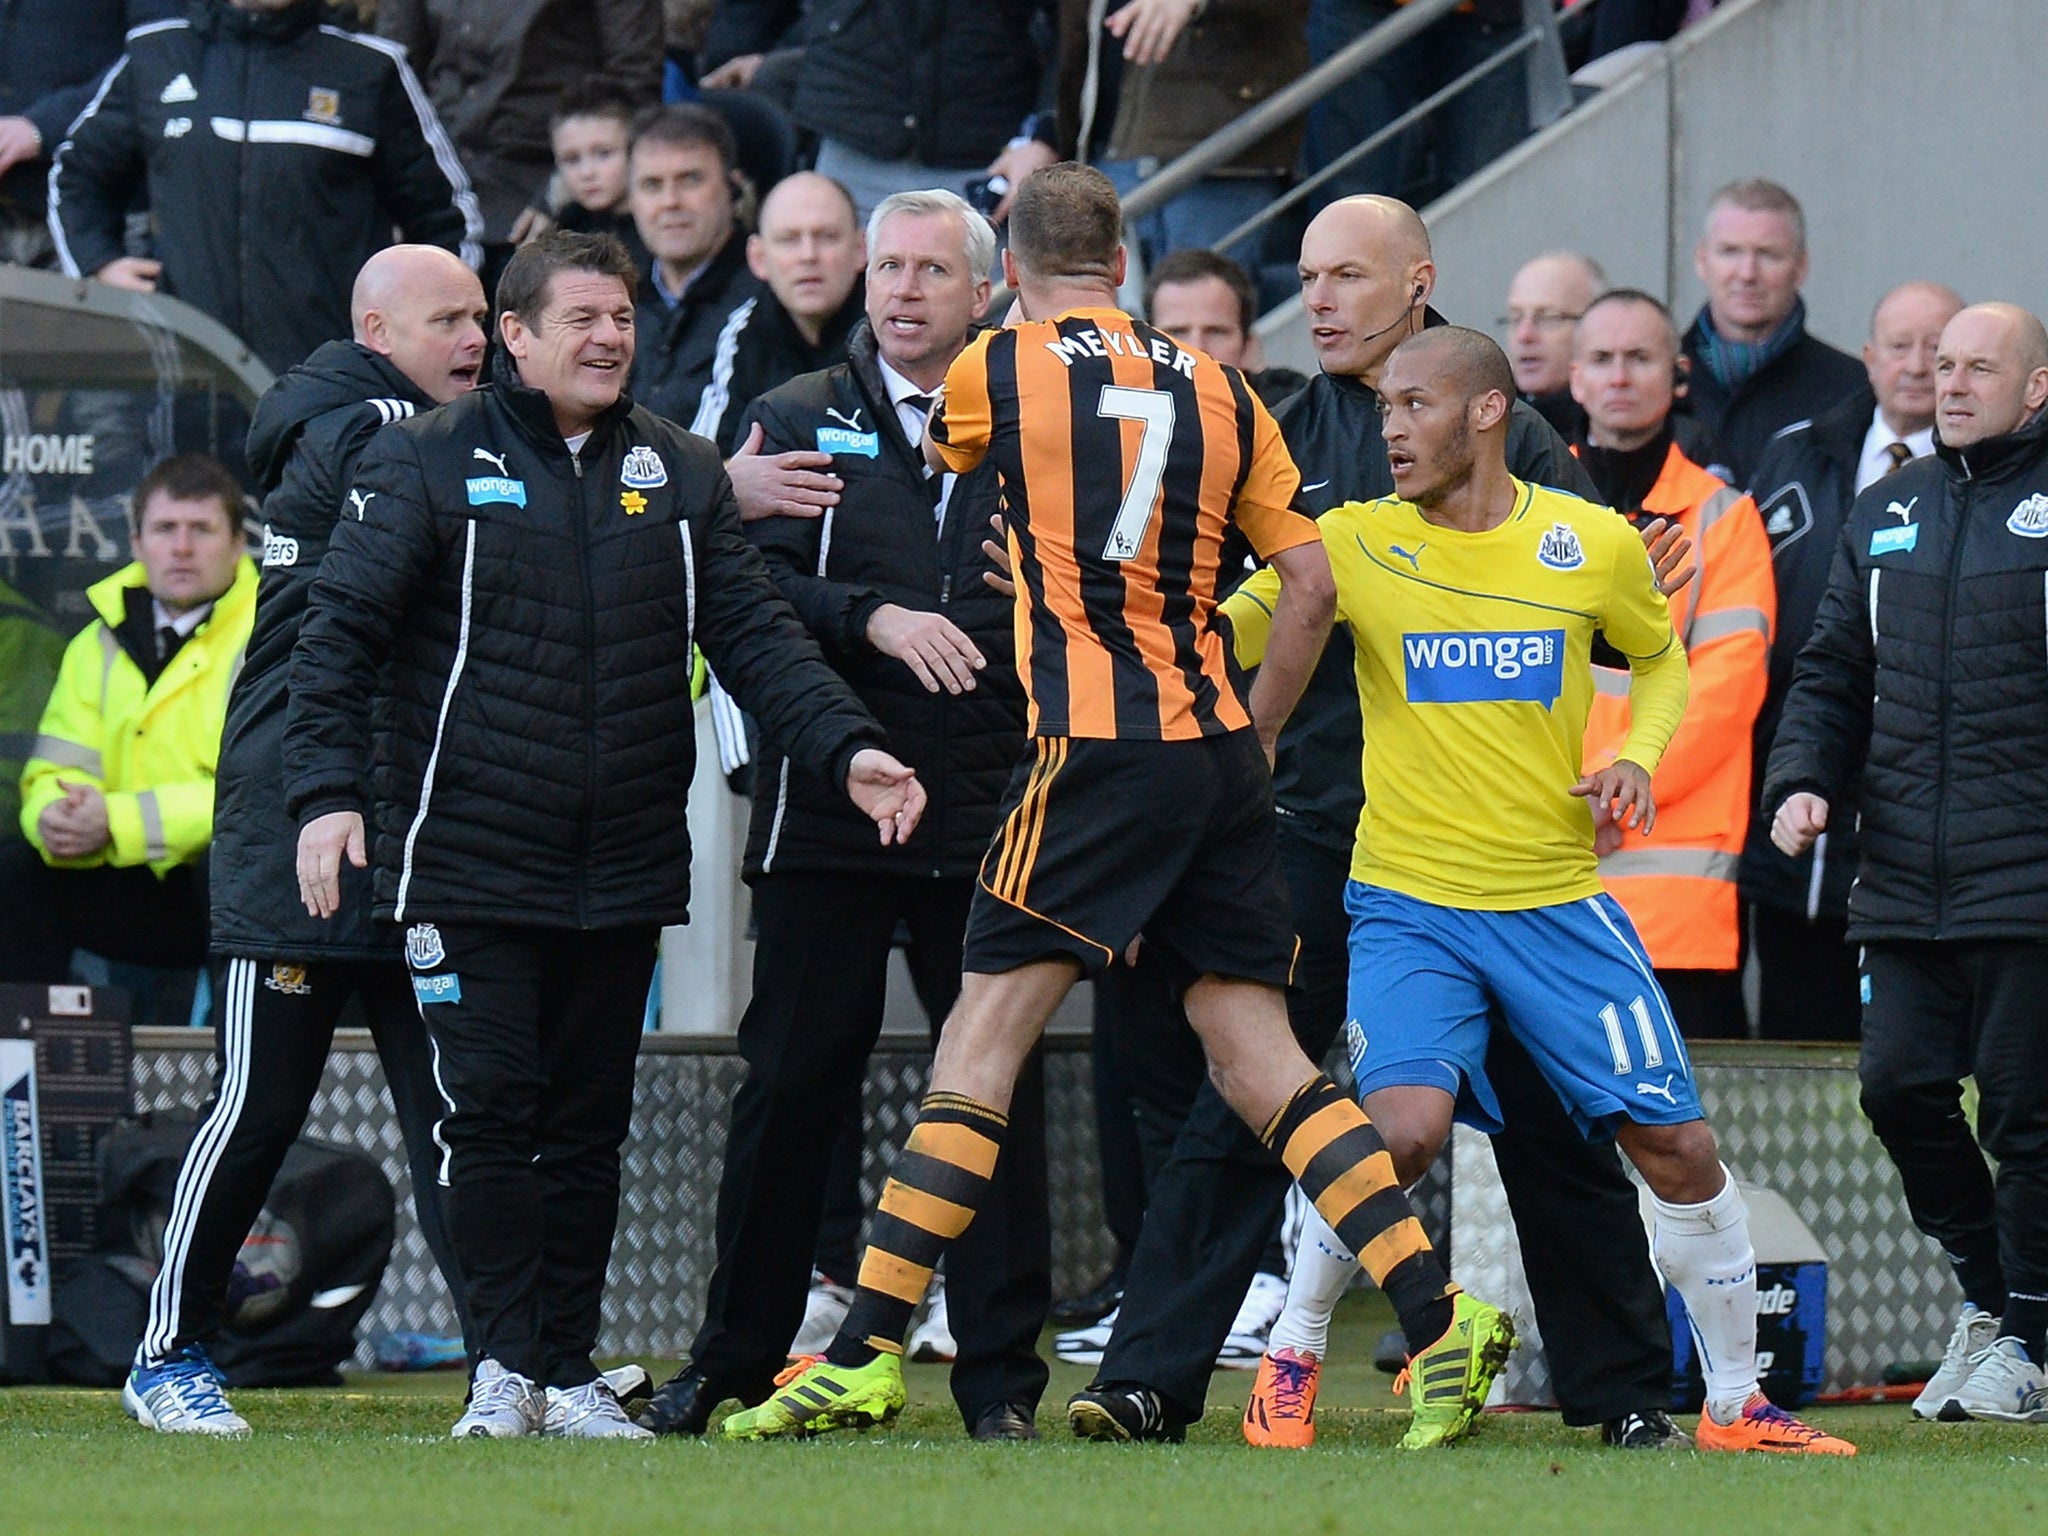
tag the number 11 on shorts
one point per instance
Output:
(1653, 1053)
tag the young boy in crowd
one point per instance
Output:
(590, 134)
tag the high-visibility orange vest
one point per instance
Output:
(1678, 884)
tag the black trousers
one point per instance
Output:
(1707, 1005)
(273, 1026)
(1937, 1013)
(534, 1032)
(1216, 1202)
(820, 983)
(128, 915)
(1807, 972)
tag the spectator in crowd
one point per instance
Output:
(31, 651)
(1366, 277)
(1755, 369)
(1809, 476)
(1475, 127)
(117, 797)
(495, 72)
(1188, 70)
(591, 135)
(1545, 299)
(52, 54)
(901, 94)
(1678, 888)
(682, 191)
(284, 979)
(1205, 300)
(603, 550)
(808, 254)
(892, 590)
(1923, 674)
(216, 115)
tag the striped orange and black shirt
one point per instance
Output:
(1123, 455)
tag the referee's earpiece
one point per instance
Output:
(1417, 299)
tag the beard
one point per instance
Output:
(1457, 461)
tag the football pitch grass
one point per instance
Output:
(374, 1457)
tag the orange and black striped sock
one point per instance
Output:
(939, 1181)
(1344, 1168)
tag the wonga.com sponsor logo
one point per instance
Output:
(1477, 667)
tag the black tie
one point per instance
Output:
(934, 484)
(168, 643)
(1899, 454)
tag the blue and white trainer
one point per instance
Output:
(503, 1405)
(182, 1396)
(2006, 1385)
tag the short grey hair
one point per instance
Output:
(980, 239)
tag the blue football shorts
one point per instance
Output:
(1572, 981)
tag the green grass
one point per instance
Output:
(375, 1458)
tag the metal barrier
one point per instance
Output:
(1786, 1115)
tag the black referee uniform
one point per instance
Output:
(281, 979)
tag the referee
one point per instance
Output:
(514, 600)
(282, 980)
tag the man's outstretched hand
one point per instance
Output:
(323, 843)
(1668, 545)
(1620, 793)
(885, 790)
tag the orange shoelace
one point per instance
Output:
(796, 1368)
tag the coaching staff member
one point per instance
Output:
(283, 978)
(514, 595)
(1924, 671)
(889, 581)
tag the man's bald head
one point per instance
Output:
(1445, 397)
(1545, 299)
(1990, 373)
(421, 307)
(1905, 330)
(809, 250)
(1366, 274)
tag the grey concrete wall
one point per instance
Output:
(1909, 129)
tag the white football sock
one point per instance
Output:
(1323, 1269)
(1705, 1253)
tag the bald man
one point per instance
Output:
(809, 251)
(1545, 300)
(281, 979)
(1807, 479)
(1923, 677)
(1366, 276)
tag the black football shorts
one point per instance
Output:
(1102, 841)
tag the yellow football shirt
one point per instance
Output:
(1475, 678)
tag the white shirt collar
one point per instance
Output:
(900, 388)
(1875, 463)
(184, 623)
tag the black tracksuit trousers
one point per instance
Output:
(1215, 1204)
(820, 981)
(273, 1027)
(1935, 1013)
(535, 1033)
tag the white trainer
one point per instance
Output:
(589, 1412)
(931, 1341)
(181, 1396)
(824, 1310)
(1084, 1346)
(1245, 1345)
(2006, 1385)
(503, 1405)
(1975, 1329)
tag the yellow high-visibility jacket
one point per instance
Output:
(151, 751)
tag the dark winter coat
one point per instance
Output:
(674, 346)
(522, 619)
(310, 428)
(278, 155)
(759, 349)
(1927, 670)
(879, 546)
(1804, 487)
(1805, 380)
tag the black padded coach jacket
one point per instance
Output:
(1928, 669)
(531, 613)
